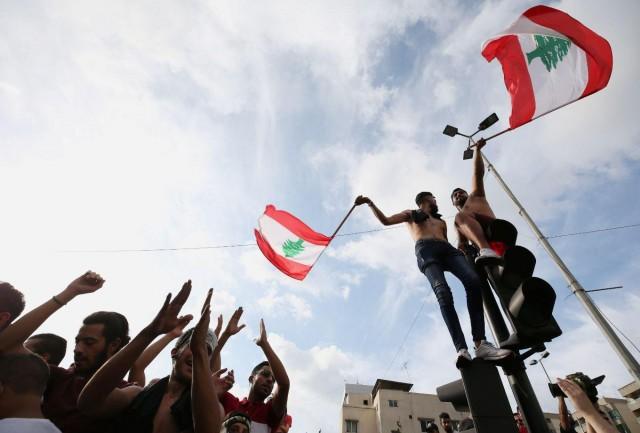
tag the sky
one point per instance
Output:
(150, 125)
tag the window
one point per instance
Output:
(365, 402)
(393, 403)
(352, 426)
(424, 422)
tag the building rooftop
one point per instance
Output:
(356, 388)
(390, 384)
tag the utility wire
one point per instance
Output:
(214, 247)
(593, 231)
(616, 328)
(404, 340)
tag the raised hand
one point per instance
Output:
(218, 327)
(262, 338)
(167, 318)
(576, 395)
(199, 338)
(232, 327)
(223, 384)
(480, 143)
(177, 331)
(88, 282)
(361, 199)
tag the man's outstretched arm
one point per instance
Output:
(206, 408)
(279, 374)
(402, 217)
(136, 373)
(232, 328)
(17, 333)
(477, 181)
(100, 396)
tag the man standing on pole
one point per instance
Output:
(474, 213)
(435, 256)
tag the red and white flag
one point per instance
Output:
(549, 60)
(288, 243)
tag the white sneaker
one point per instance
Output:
(464, 358)
(489, 352)
(486, 256)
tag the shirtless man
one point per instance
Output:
(184, 401)
(435, 255)
(474, 212)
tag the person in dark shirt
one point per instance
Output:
(11, 304)
(101, 335)
(185, 401)
(50, 347)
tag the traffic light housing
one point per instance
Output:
(527, 300)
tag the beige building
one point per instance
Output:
(632, 393)
(391, 407)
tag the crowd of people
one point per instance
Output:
(106, 389)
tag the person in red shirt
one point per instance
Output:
(520, 423)
(101, 335)
(268, 415)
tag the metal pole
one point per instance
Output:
(545, 370)
(515, 370)
(576, 288)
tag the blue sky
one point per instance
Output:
(152, 125)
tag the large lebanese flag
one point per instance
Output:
(549, 60)
(288, 243)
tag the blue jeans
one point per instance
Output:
(434, 258)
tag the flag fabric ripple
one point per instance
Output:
(288, 243)
(549, 60)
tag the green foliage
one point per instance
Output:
(291, 248)
(550, 50)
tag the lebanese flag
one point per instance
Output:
(549, 60)
(288, 243)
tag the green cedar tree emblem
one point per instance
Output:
(291, 248)
(550, 50)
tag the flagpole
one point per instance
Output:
(344, 220)
(623, 353)
(530, 120)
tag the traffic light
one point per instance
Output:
(527, 300)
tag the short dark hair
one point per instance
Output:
(421, 195)
(11, 300)
(258, 367)
(432, 428)
(51, 344)
(444, 415)
(454, 191)
(466, 424)
(115, 325)
(24, 373)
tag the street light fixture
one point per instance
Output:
(544, 355)
(452, 131)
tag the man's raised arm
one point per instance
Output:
(402, 217)
(206, 408)
(17, 333)
(232, 328)
(477, 181)
(100, 396)
(279, 374)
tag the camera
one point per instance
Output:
(587, 384)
